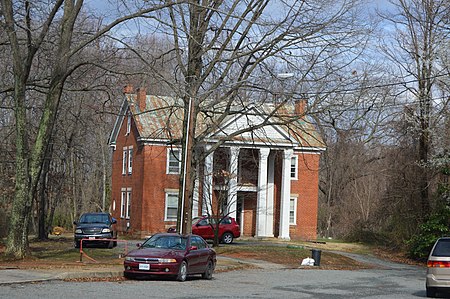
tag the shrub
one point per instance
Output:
(432, 229)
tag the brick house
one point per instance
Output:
(271, 187)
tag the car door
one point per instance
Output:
(224, 226)
(202, 254)
(203, 229)
(193, 256)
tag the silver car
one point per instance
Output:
(438, 267)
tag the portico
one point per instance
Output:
(266, 189)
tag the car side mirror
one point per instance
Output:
(114, 221)
(138, 245)
(75, 223)
(193, 248)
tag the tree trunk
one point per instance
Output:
(43, 225)
(17, 242)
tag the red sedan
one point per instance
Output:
(205, 226)
(171, 254)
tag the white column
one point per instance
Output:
(195, 199)
(285, 195)
(270, 195)
(261, 204)
(207, 183)
(232, 183)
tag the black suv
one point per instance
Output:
(93, 227)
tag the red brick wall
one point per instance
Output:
(155, 184)
(148, 181)
(132, 181)
(307, 189)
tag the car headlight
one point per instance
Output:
(78, 231)
(166, 261)
(129, 259)
(106, 230)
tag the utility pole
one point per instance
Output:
(185, 223)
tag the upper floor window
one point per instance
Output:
(124, 160)
(294, 167)
(128, 124)
(130, 159)
(127, 160)
(173, 160)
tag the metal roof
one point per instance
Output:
(162, 120)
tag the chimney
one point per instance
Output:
(300, 107)
(128, 89)
(141, 98)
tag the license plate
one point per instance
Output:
(144, 266)
(91, 238)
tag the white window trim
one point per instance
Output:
(166, 206)
(295, 210)
(128, 124)
(124, 160)
(122, 202)
(168, 161)
(130, 159)
(295, 158)
(128, 206)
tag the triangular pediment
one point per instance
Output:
(251, 127)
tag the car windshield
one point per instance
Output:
(94, 218)
(442, 248)
(166, 242)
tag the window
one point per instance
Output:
(293, 211)
(124, 160)
(294, 167)
(128, 124)
(127, 160)
(127, 214)
(123, 200)
(173, 160)
(125, 203)
(196, 241)
(130, 159)
(171, 206)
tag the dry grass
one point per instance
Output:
(58, 253)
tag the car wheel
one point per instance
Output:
(227, 238)
(209, 271)
(431, 292)
(110, 245)
(128, 275)
(76, 244)
(182, 272)
(115, 244)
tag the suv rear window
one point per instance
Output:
(442, 248)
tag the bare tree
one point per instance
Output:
(31, 27)
(228, 54)
(422, 34)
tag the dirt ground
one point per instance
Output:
(59, 253)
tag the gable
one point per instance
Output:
(118, 124)
(264, 132)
